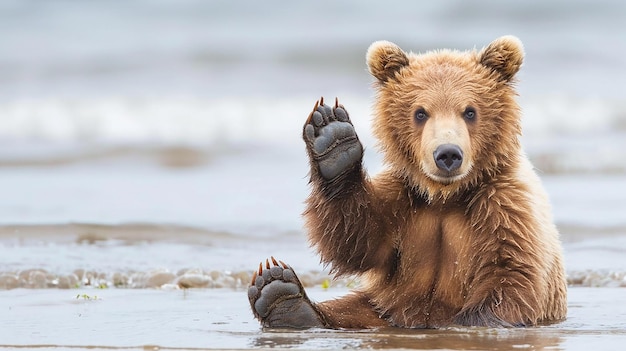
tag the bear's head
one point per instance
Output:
(446, 120)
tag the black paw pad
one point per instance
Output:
(278, 299)
(332, 140)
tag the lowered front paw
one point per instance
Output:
(278, 298)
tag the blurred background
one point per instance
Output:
(189, 112)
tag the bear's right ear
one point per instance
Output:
(384, 59)
(504, 55)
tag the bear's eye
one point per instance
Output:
(469, 113)
(420, 114)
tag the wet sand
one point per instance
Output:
(209, 319)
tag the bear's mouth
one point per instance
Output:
(446, 179)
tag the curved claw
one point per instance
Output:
(254, 275)
(317, 104)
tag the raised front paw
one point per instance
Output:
(278, 299)
(331, 140)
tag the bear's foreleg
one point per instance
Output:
(352, 311)
(278, 299)
(344, 217)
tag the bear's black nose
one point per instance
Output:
(448, 157)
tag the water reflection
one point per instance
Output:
(394, 338)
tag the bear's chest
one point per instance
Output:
(433, 249)
(435, 238)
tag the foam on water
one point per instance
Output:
(560, 134)
(251, 120)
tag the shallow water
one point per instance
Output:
(220, 319)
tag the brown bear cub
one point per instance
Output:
(456, 231)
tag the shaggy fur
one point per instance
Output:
(474, 247)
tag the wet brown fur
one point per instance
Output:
(481, 250)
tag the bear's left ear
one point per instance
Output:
(384, 59)
(504, 55)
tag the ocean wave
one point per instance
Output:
(242, 120)
(561, 135)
